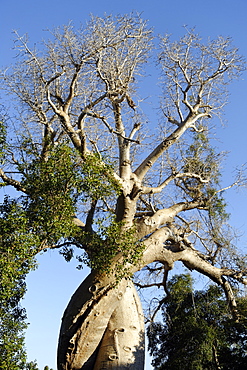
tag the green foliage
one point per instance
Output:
(98, 178)
(198, 330)
(217, 206)
(202, 159)
(52, 188)
(104, 245)
(3, 144)
(42, 218)
(32, 366)
(16, 260)
(12, 353)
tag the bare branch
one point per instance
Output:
(9, 181)
(166, 144)
(158, 189)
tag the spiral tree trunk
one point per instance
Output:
(102, 328)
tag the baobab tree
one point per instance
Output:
(96, 180)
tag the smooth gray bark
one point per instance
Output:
(102, 327)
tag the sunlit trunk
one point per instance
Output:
(102, 328)
(122, 346)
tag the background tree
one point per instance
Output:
(198, 330)
(93, 181)
(15, 263)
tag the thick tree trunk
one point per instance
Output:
(122, 346)
(102, 327)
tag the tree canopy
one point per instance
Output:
(15, 262)
(198, 330)
(97, 181)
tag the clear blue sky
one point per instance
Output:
(50, 287)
